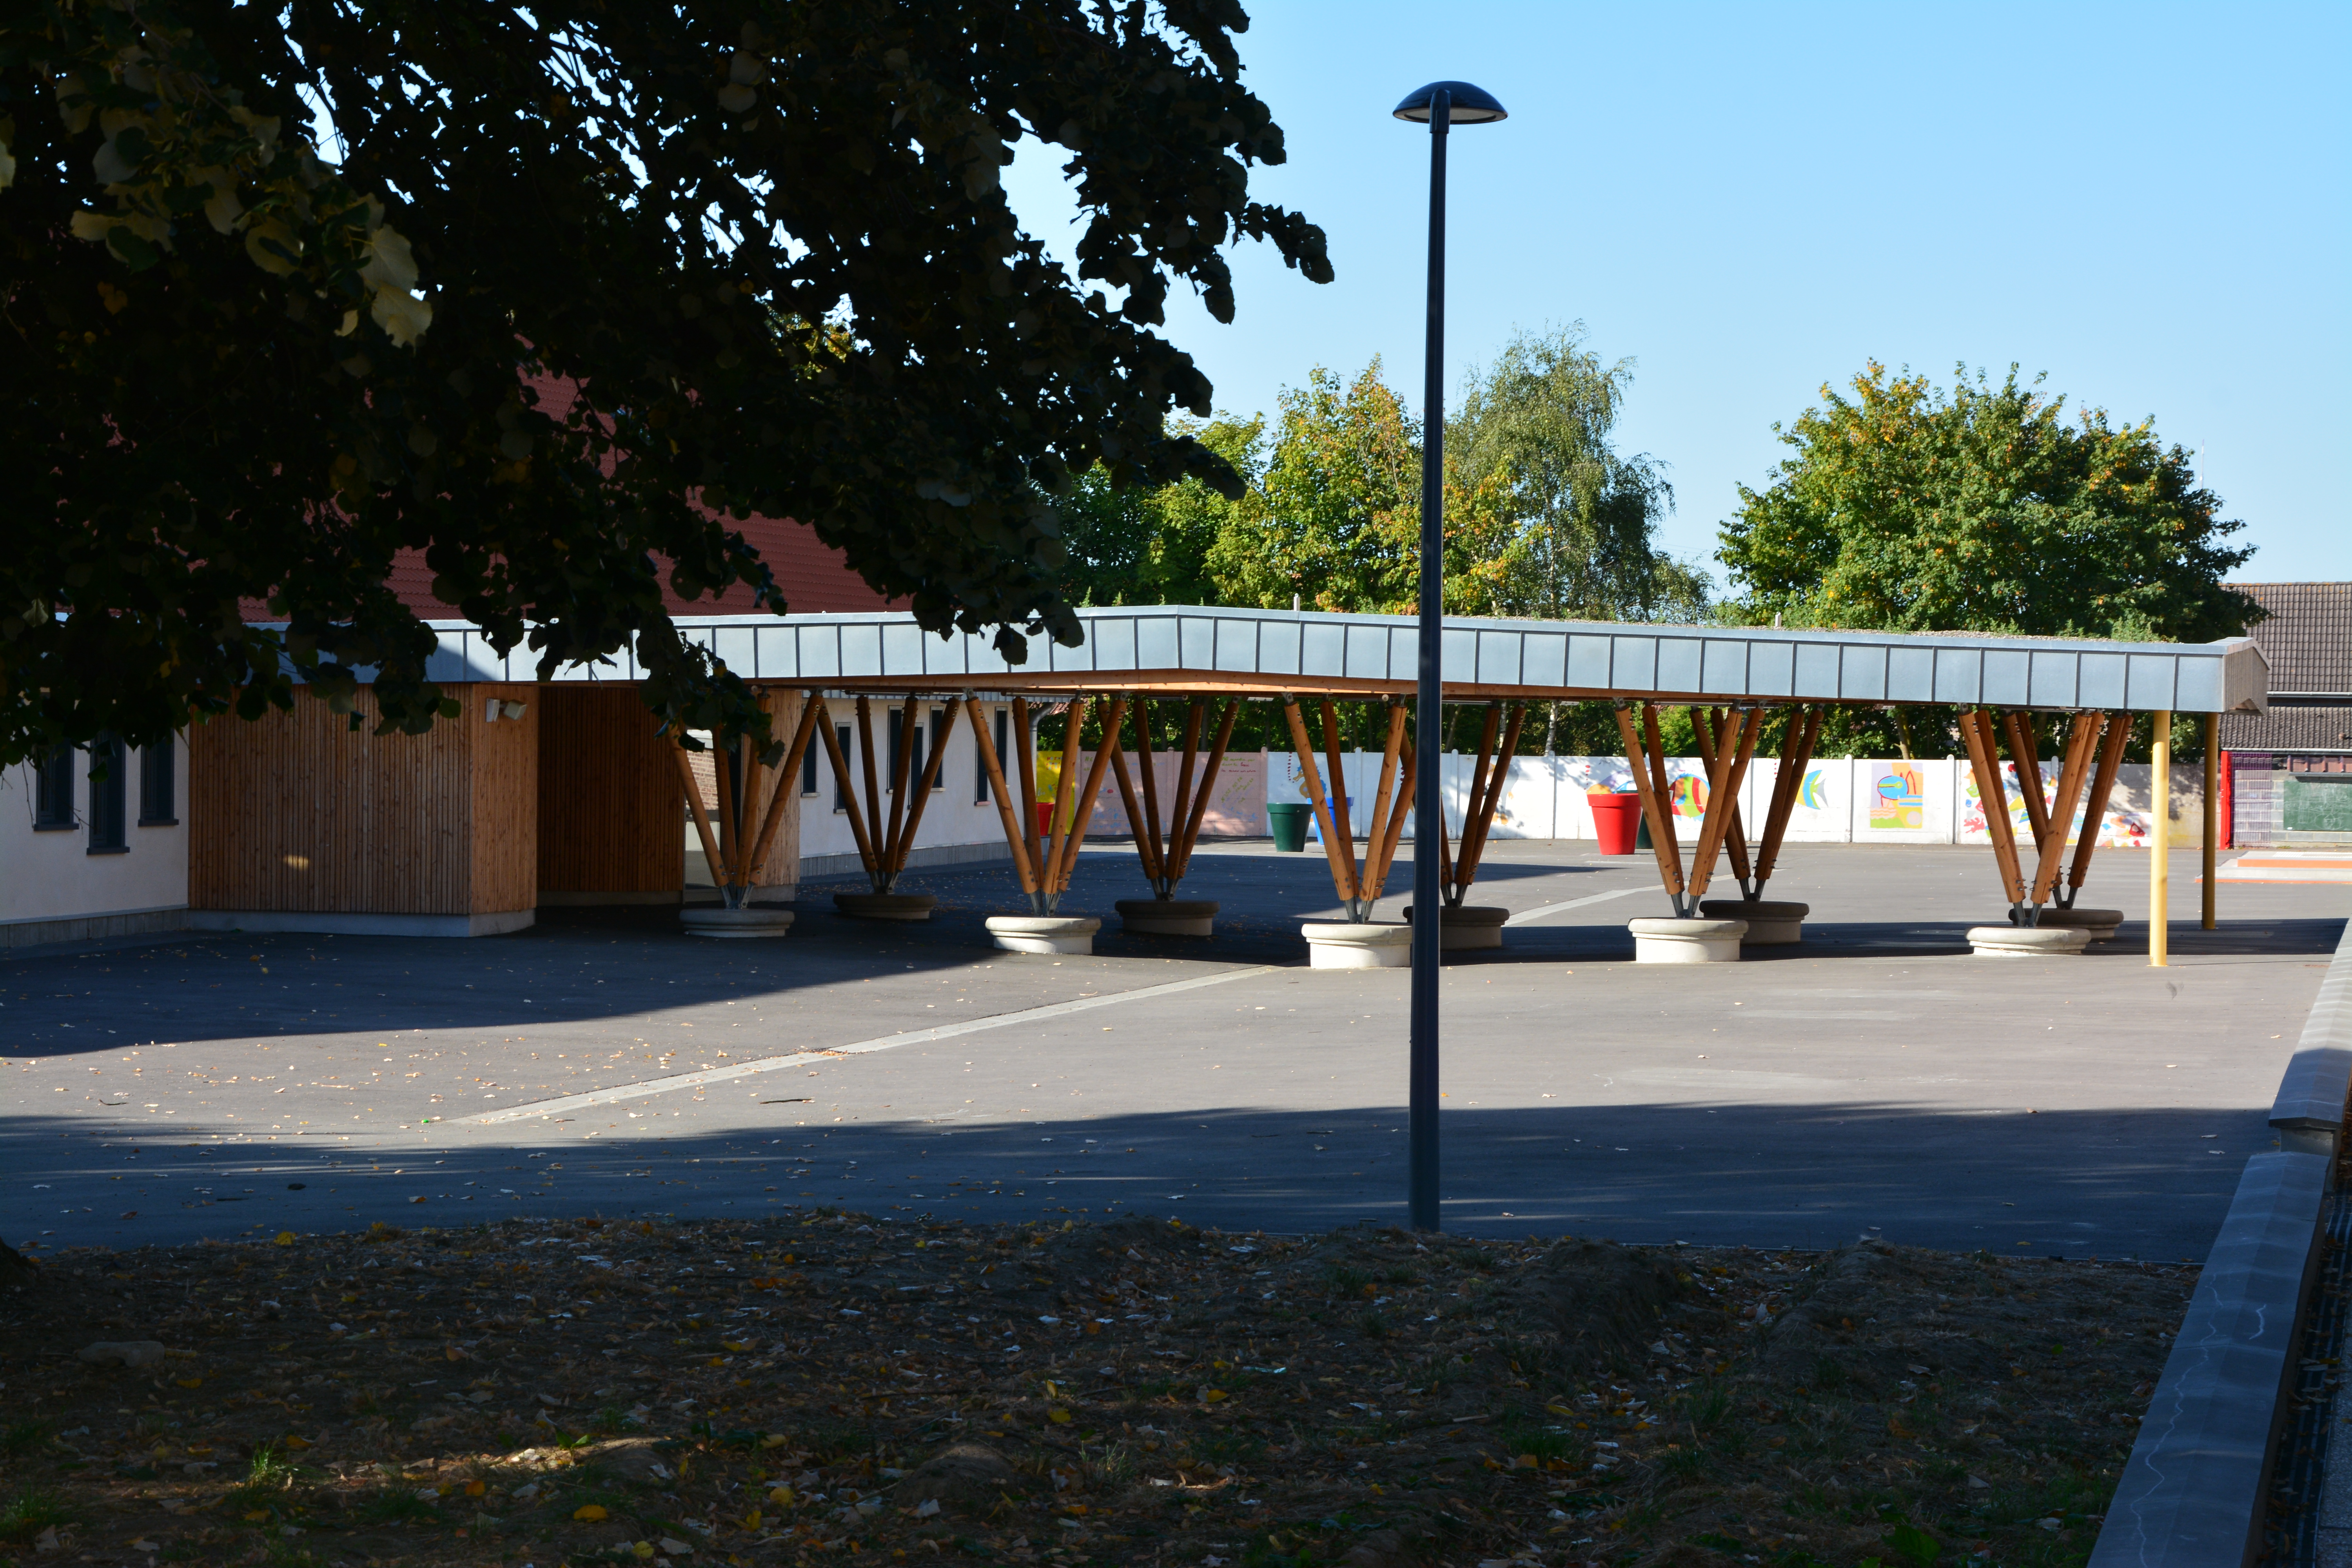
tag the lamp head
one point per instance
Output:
(1467, 105)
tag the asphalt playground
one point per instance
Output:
(1876, 1078)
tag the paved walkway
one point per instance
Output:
(1875, 1077)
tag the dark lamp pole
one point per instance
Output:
(1442, 104)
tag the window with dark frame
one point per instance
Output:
(109, 766)
(942, 732)
(980, 764)
(159, 804)
(53, 791)
(808, 766)
(840, 786)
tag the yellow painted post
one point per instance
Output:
(2212, 806)
(2159, 840)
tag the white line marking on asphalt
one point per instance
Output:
(1525, 916)
(802, 1059)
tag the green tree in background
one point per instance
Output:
(1580, 521)
(1907, 509)
(1335, 517)
(1131, 546)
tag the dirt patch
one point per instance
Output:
(767, 1392)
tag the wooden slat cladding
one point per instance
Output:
(610, 819)
(298, 812)
(505, 839)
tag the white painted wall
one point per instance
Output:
(959, 812)
(52, 875)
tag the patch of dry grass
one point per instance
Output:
(829, 1388)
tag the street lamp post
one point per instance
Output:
(1442, 104)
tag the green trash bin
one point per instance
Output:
(1289, 819)
(1641, 834)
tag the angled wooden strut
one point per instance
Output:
(2095, 806)
(2082, 739)
(1788, 786)
(1486, 785)
(1167, 856)
(1736, 742)
(1646, 758)
(1342, 855)
(2024, 757)
(1389, 807)
(885, 836)
(732, 849)
(1976, 727)
(1025, 864)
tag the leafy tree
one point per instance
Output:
(1579, 519)
(764, 244)
(1335, 517)
(1904, 509)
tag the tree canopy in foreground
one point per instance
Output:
(766, 242)
(1904, 509)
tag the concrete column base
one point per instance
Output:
(1334, 945)
(2100, 923)
(1769, 923)
(1466, 927)
(707, 920)
(1686, 942)
(1168, 917)
(1045, 934)
(2027, 941)
(885, 906)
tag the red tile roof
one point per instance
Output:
(814, 578)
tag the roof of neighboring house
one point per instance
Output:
(2308, 638)
(814, 578)
(2290, 727)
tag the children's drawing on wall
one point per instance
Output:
(1898, 798)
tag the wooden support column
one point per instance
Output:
(865, 846)
(1708, 726)
(1387, 802)
(1194, 712)
(2081, 741)
(1735, 744)
(1788, 784)
(1023, 867)
(1342, 858)
(1975, 728)
(1150, 784)
(1480, 822)
(811, 714)
(1024, 753)
(710, 857)
(1065, 783)
(1191, 835)
(1145, 847)
(893, 846)
(1340, 815)
(1083, 802)
(1387, 846)
(924, 784)
(2095, 806)
(1648, 767)
(873, 787)
(2027, 763)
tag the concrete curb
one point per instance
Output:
(2309, 1111)
(2195, 1492)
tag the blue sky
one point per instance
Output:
(2149, 202)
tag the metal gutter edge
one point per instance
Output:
(2195, 1492)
